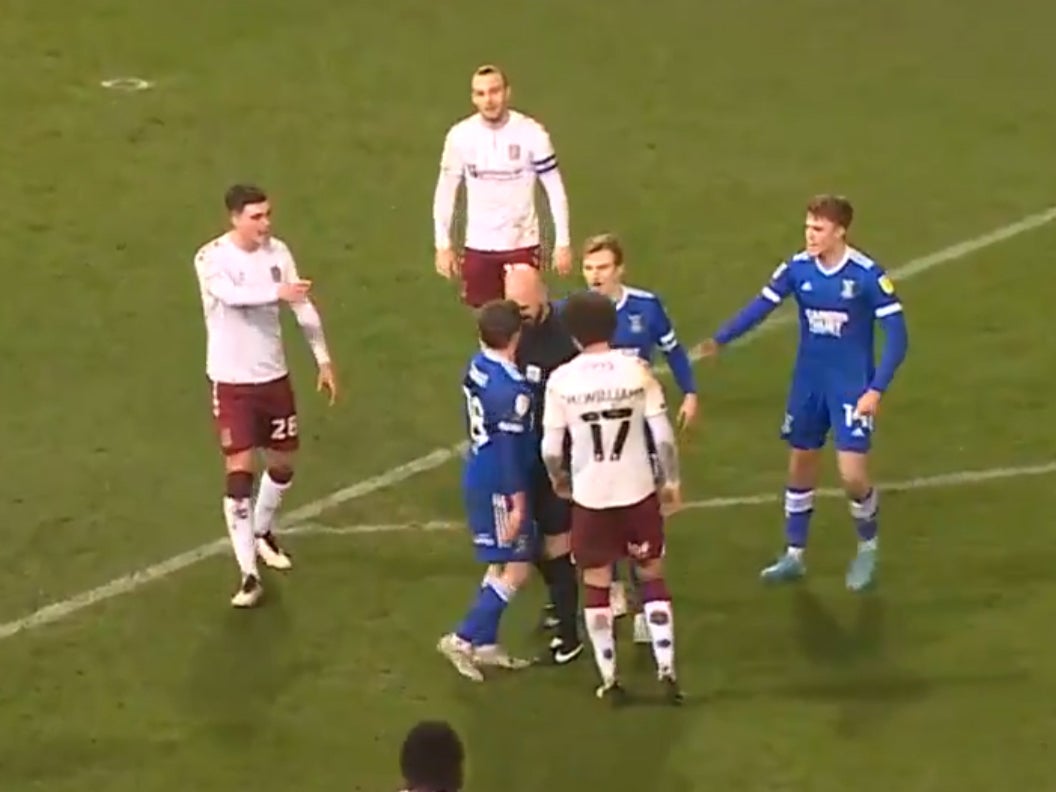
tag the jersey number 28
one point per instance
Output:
(596, 421)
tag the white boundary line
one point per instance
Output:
(960, 478)
(434, 459)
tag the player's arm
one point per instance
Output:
(764, 304)
(452, 170)
(218, 283)
(544, 161)
(510, 440)
(552, 447)
(311, 324)
(887, 309)
(663, 433)
(677, 357)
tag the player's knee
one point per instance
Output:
(279, 460)
(652, 569)
(239, 484)
(803, 465)
(598, 577)
(280, 474)
(557, 545)
(515, 575)
(238, 461)
(854, 474)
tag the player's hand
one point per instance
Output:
(670, 499)
(868, 404)
(707, 349)
(562, 260)
(327, 381)
(562, 487)
(446, 265)
(294, 291)
(516, 522)
(687, 413)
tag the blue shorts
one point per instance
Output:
(811, 412)
(487, 515)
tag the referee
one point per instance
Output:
(544, 346)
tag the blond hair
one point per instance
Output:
(600, 242)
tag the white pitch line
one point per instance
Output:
(958, 478)
(434, 459)
(910, 269)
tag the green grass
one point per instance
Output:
(696, 131)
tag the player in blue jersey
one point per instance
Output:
(836, 385)
(642, 325)
(495, 480)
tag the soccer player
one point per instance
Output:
(500, 153)
(432, 758)
(244, 276)
(545, 344)
(840, 293)
(642, 325)
(604, 398)
(495, 483)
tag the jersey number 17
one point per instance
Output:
(597, 420)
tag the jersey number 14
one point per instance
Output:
(598, 420)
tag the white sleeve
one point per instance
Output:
(544, 161)
(216, 281)
(660, 426)
(554, 411)
(655, 401)
(308, 318)
(452, 167)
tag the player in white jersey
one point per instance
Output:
(500, 153)
(604, 399)
(244, 276)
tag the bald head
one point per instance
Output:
(524, 286)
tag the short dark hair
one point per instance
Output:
(431, 758)
(834, 208)
(239, 196)
(498, 322)
(590, 317)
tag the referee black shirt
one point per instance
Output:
(545, 345)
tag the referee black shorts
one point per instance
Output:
(553, 514)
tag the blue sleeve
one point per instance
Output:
(677, 358)
(896, 345)
(887, 309)
(512, 436)
(772, 295)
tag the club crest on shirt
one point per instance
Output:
(514, 151)
(276, 274)
(637, 325)
(533, 374)
(848, 290)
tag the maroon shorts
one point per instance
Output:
(483, 272)
(601, 537)
(256, 415)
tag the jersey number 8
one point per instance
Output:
(478, 434)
